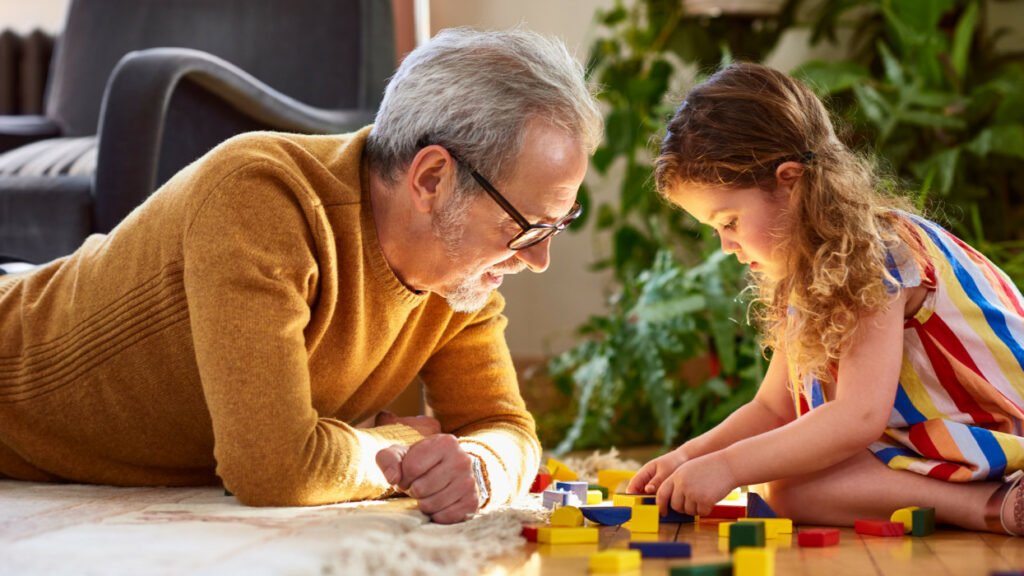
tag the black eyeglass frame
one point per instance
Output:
(517, 243)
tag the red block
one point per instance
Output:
(540, 483)
(530, 533)
(878, 527)
(818, 537)
(727, 511)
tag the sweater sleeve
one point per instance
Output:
(251, 272)
(473, 390)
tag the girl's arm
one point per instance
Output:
(867, 379)
(868, 375)
(770, 408)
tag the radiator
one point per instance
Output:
(24, 64)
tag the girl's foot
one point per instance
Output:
(1004, 511)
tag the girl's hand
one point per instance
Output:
(696, 486)
(652, 474)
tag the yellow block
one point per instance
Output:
(594, 497)
(567, 516)
(645, 519)
(629, 499)
(560, 471)
(734, 495)
(611, 479)
(905, 515)
(615, 561)
(749, 561)
(723, 529)
(774, 526)
(562, 535)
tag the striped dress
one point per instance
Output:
(958, 409)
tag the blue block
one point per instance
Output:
(662, 549)
(607, 515)
(758, 508)
(674, 517)
(555, 498)
(577, 489)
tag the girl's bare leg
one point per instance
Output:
(863, 487)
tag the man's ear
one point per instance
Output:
(430, 176)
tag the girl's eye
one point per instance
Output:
(730, 225)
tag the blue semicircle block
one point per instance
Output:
(607, 515)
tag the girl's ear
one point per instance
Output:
(788, 173)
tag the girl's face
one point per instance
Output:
(749, 221)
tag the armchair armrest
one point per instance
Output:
(17, 131)
(133, 120)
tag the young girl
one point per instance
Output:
(897, 372)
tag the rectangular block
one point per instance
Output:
(774, 526)
(723, 529)
(576, 488)
(924, 521)
(753, 561)
(746, 533)
(633, 499)
(594, 497)
(728, 511)
(645, 519)
(602, 489)
(554, 498)
(818, 537)
(612, 479)
(673, 517)
(662, 549)
(615, 561)
(878, 527)
(530, 533)
(720, 569)
(557, 535)
(540, 483)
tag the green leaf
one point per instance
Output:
(962, 38)
(618, 131)
(613, 16)
(826, 78)
(932, 120)
(942, 167)
(893, 68)
(1005, 140)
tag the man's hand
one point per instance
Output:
(438, 473)
(425, 425)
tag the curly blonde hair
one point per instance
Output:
(732, 132)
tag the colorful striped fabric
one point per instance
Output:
(958, 410)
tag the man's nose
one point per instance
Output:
(536, 257)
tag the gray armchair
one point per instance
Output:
(140, 88)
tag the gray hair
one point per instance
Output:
(473, 93)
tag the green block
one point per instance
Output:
(923, 521)
(721, 569)
(602, 489)
(746, 533)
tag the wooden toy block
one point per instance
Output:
(818, 537)
(878, 528)
(924, 521)
(728, 511)
(904, 516)
(775, 526)
(577, 489)
(723, 529)
(607, 515)
(674, 517)
(633, 499)
(563, 535)
(615, 561)
(554, 498)
(720, 569)
(540, 483)
(567, 516)
(530, 533)
(662, 549)
(734, 495)
(611, 479)
(602, 489)
(748, 561)
(746, 533)
(645, 519)
(560, 471)
(594, 497)
(758, 508)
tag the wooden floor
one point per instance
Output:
(947, 551)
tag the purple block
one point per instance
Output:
(555, 498)
(577, 489)
(674, 517)
(662, 549)
(607, 515)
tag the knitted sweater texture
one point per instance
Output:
(234, 328)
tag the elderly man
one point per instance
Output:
(282, 288)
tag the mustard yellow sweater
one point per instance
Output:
(236, 325)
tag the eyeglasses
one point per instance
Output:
(532, 234)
